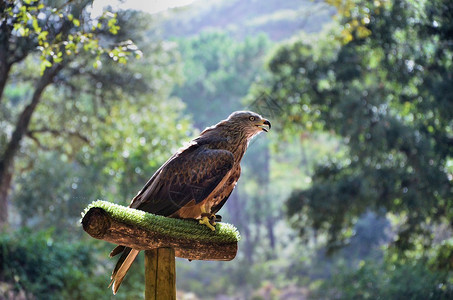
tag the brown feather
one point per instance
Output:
(198, 177)
(122, 267)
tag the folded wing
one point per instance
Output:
(187, 177)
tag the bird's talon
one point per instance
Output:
(218, 218)
(206, 221)
(212, 220)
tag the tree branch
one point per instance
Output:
(36, 140)
(21, 128)
(143, 231)
(55, 132)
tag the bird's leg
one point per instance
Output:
(207, 219)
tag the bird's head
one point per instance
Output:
(248, 122)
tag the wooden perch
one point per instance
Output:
(143, 231)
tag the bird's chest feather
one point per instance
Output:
(219, 194)
(227, 187)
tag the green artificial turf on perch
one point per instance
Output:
(144, 231)
(177, 227)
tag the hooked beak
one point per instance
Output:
(266, 126)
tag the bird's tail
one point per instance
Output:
(122, 266)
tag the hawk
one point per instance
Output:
(197, 180)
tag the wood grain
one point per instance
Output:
(100, 225)
(160, 274)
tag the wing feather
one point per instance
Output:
(188, 176)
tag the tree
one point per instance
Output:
(104, 147)
(386, 94)
(35, 265)
(71, 46)
(218, 72)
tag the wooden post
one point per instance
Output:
(160, 274)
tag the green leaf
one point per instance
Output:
(21, 31)
(97, 64)
(44, 65)
(43, 35)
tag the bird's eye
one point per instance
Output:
(252, 118)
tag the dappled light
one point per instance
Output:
(349, 196)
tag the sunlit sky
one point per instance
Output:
(150, 6)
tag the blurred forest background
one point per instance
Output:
(350, 197)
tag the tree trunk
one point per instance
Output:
(270, 215)
(23, 122)
(4, 71)
(239, 218)
(4, 66)
(270, 231)
(4, 187)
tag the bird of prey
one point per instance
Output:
(197, 180)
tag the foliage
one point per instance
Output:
(355, 17)
(387, 96)
(244, 19)
(388, 280)
(74, 120)
(365, 158)
(30, 28)
(58, 30)
(45, 267)
(99, 132)
(84, 147)
(129, 150)
(218, 72)
(53, 192)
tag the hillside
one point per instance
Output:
(241, 18)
